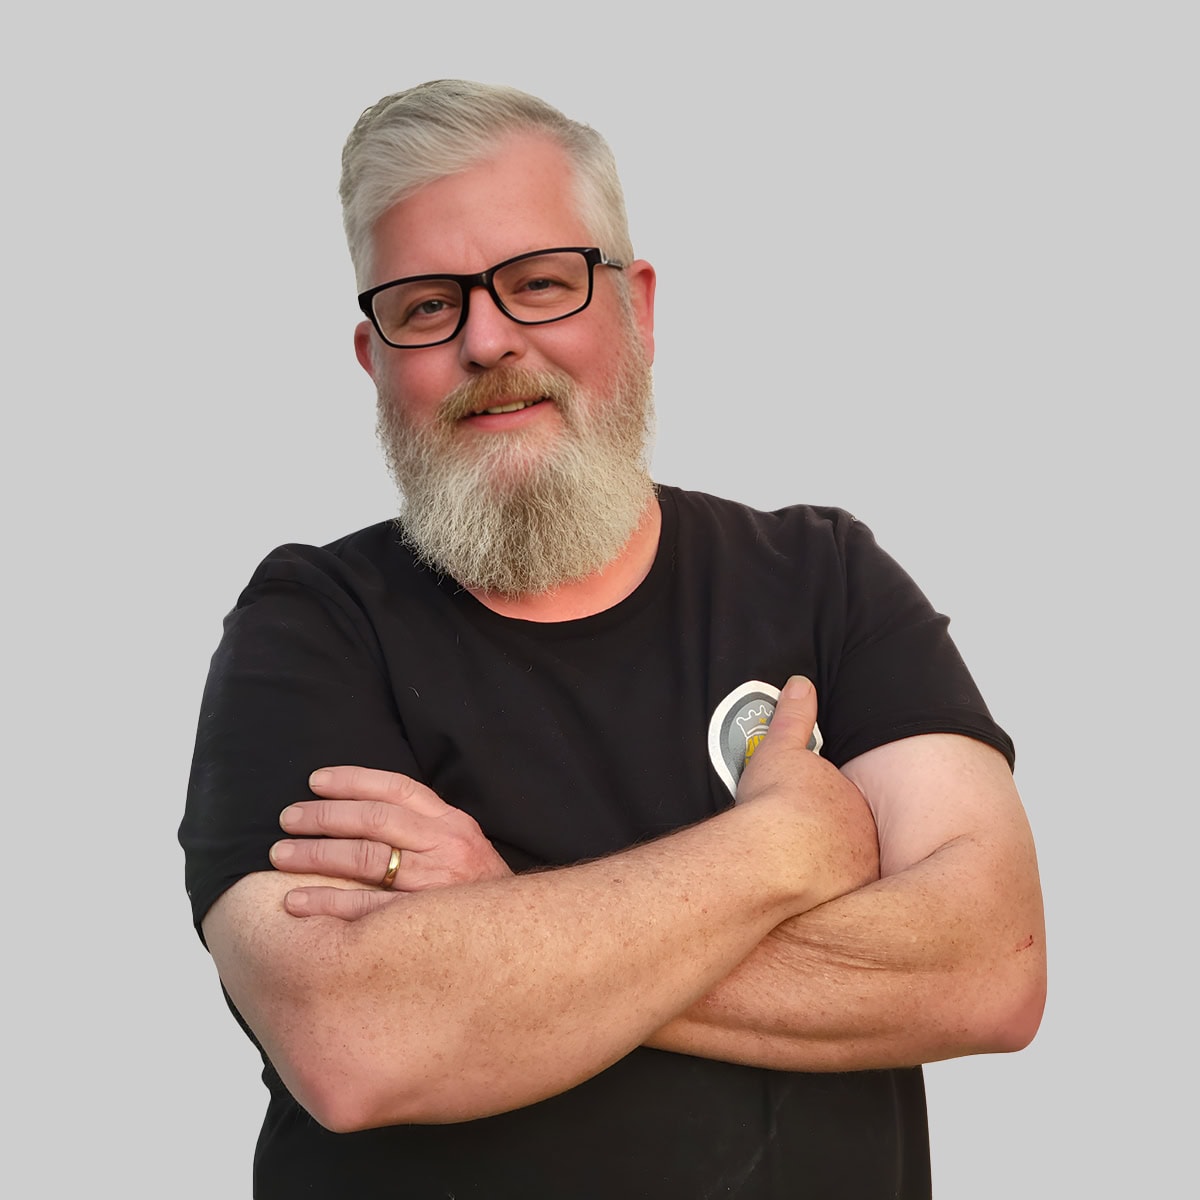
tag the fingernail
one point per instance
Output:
(290, 817)
(797, 687)
(319, 778)
(282, 852)
(297, 902)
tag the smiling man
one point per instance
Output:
(519, 438)
(578, 898)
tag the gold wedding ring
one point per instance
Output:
(393, 867)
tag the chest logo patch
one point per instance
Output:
(739, 724)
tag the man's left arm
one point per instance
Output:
(943, 956)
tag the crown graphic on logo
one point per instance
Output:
(755, 721)
(753, 724)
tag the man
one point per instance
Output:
(524, 942)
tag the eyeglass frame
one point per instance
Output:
(593, 256)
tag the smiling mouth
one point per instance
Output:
(514, 406)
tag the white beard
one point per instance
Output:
(516, 512)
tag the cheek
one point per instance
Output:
(589, 362)
(418, 387)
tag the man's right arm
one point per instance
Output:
(459, 1002)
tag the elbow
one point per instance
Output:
(355, 1108)
(335, 1096)
(339, 1110)
(344, 1101)
(1023, 1018)
(347, 1089)
(340, 1082)
(1013, 1011)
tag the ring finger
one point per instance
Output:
(341, 858)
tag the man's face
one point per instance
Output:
(573, 442)
(519, 201)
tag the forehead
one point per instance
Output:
(522, 198)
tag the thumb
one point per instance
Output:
(795, 712)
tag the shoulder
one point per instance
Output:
(353, 571)
(298, 590)
(364, 554)
(813, 534)
(821, 520)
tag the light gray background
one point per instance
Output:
(933, 262)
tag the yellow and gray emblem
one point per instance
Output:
(739, 724)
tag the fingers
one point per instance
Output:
(370, 819)
(345, 904)
(340, 858)
(365, 783)
(354, 839)
(350, 832)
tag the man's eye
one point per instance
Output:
(537, 290)
(428, 308)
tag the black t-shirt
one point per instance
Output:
(566, 741)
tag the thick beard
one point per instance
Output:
(516, 513)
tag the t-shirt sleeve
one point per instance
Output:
(296, 683)
(899, 673)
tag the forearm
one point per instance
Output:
(468, 1000)
(942, 956)
(926, 964)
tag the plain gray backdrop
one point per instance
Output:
(934, 262)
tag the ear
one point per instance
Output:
(642, 279)
(362, 346)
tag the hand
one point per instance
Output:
(352, 831)
(841, 834)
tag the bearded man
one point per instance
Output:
(564, 918)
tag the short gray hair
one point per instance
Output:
(439, 128)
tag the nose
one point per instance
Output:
(488, 337)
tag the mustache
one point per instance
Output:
(504, 384)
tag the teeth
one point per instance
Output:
(515, 407)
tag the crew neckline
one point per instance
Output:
(649, 589)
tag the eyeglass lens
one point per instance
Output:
(546, 287)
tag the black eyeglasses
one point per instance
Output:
(531, 289)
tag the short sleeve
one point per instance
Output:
(899, 673)
(296, 683)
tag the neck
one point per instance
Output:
(594, 593)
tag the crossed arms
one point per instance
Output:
(801, 929)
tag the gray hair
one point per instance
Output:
(439, 128)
